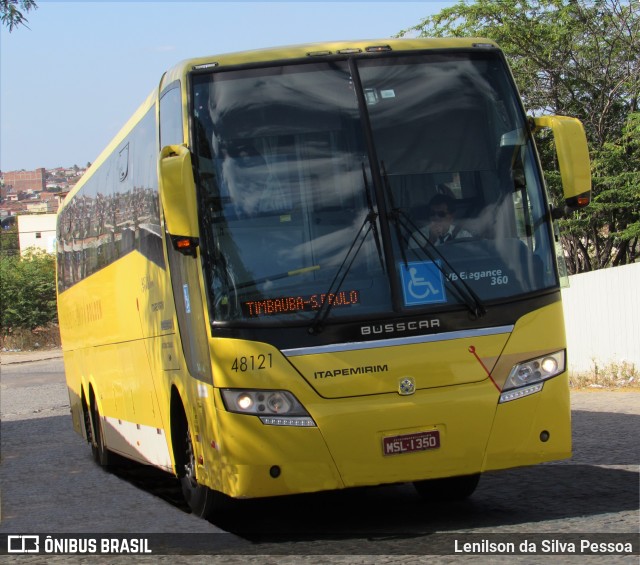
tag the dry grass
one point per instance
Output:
(19, 339)
(613, 376)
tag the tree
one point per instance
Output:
(579, 59)
(11, 12)
(9, 243)
(27, 290)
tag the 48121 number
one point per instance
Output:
(252, 363)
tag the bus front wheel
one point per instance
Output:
(447, 489)
(202, 500)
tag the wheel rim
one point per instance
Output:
(88, 426)
(189, 479)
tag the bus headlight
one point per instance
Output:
(528, 377)
(273, 407)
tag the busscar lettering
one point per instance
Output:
(349, 371)
(400, 327)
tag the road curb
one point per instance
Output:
(18, 357)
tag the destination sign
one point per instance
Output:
(293, 304)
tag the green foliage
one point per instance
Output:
(27, 290)
(579, 59)
(12, 12)
(9, 243)
(607, 233)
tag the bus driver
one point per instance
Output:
(440, 227)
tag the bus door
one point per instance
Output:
(190, 313)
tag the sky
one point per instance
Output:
(70, 81)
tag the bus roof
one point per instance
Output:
(297, 52)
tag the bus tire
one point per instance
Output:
(100, 453)
(203, 501)
(447, 489)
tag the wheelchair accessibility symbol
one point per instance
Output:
(422, 283)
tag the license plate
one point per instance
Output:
(409, 443)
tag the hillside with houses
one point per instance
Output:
(35, 192)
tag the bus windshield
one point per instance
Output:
(299, 166)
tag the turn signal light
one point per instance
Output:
(185, 245)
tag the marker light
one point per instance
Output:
(528, 377)
(377, 48)
(520, 393)
(298, 421)
(274, 407)
(205, 66)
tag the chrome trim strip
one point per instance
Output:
(396, 341)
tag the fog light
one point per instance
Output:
(244, 402)
(275, 471)
(549, 365)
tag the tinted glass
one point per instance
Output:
(451, 139)
(285, 175)
(281, 161)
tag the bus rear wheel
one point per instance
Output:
(202, 500)
(99, 450)
(447, 489)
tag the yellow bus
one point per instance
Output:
(319, 267)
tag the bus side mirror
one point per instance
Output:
(573, 158)
(178, 196)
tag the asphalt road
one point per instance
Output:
(49, 484)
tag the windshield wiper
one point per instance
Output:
(372, 216)
(368, 225)
(403, 222)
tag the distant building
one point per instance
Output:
(38, 208)
(23, 181)
(37, 230)
(39, 191)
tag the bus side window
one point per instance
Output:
(171, 116)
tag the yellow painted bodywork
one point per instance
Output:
(132, 377)
(113, 343)
(122, 342)
(345, 450)
(572, 152)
